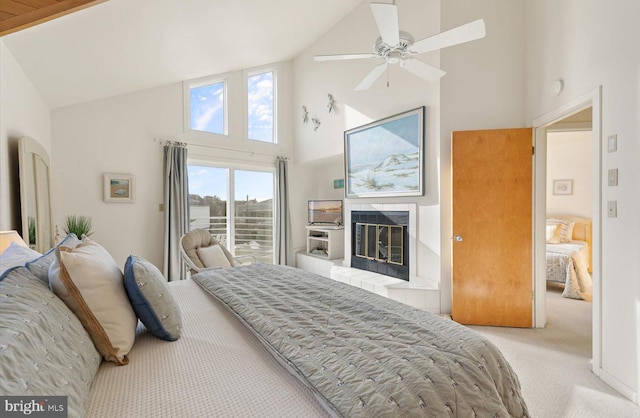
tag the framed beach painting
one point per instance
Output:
(118, 188)
(385, 158)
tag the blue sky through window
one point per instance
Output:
(212, 181)
(260, 107)
(207, 108)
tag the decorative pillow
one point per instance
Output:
(44, 350)
(89, 281)
(40, 266)
(564, 230)
(151, 298)
(551, 232)
(213, 256)
(16, 255)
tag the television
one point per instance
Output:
(325, 212)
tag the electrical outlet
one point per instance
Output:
(613, 177)
(612, 144)
(612, 209)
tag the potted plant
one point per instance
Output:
(79, 225)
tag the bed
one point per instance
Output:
(258, 340)
(568, 254)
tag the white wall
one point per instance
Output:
(569, 156)
(322, 150)
(22, 113)
(116, 135)
(590, 43)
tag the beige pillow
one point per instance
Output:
(551, 233)
(89, 281)
(564, 230)
(213, 256)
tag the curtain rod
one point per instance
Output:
(185, 144)
(169, 142)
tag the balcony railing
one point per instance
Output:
(253, 235)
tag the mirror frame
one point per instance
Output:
(30, 152)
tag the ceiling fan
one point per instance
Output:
(396, 46)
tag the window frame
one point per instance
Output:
(273, 68)
(204, 81)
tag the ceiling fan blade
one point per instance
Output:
(465, 33)
(386, 16)
(422, 70)
(371, 77)
(344, 57)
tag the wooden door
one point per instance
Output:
(492, 227)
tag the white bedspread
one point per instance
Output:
(216, 369)
(568, 263)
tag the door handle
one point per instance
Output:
(458, 238)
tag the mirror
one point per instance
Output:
(35, 195)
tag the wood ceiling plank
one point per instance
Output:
(15, 8)
(37, 3)
(42, 14)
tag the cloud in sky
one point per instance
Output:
(260, 106)
(207, 108)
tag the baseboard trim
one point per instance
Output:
(624, 390)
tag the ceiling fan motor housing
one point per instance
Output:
(394, 53)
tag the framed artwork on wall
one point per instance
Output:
(563, 187)
(119, 188)
(385, 158)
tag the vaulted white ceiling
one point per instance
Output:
(121, 46)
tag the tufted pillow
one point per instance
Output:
(16, 255)
(213, 256)
(563, 232)
(44, 350)
(151, 298)
(40, 266)
(89, 281)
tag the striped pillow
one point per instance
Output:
(564, 230)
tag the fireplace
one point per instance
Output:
(380, 242)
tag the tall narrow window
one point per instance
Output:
(236, 206)
(260, 107)
(207, 107)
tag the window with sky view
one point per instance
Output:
(250, 230)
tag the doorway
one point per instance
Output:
(590, 102)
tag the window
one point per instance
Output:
(205, 107)
(244, 227)
(261, 107)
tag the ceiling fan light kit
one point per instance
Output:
(399, 47)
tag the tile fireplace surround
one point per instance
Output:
(419, 292)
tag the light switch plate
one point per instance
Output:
(612, 143)
(612, 209)
(613, 177)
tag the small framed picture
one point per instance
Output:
(561, 187)
(119, 188)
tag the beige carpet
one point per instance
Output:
(554, 364)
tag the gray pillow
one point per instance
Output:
(40, 266)
(44, 350)
(151, 298)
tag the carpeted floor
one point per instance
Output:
(554, 364)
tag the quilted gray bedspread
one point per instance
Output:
(364, 355)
